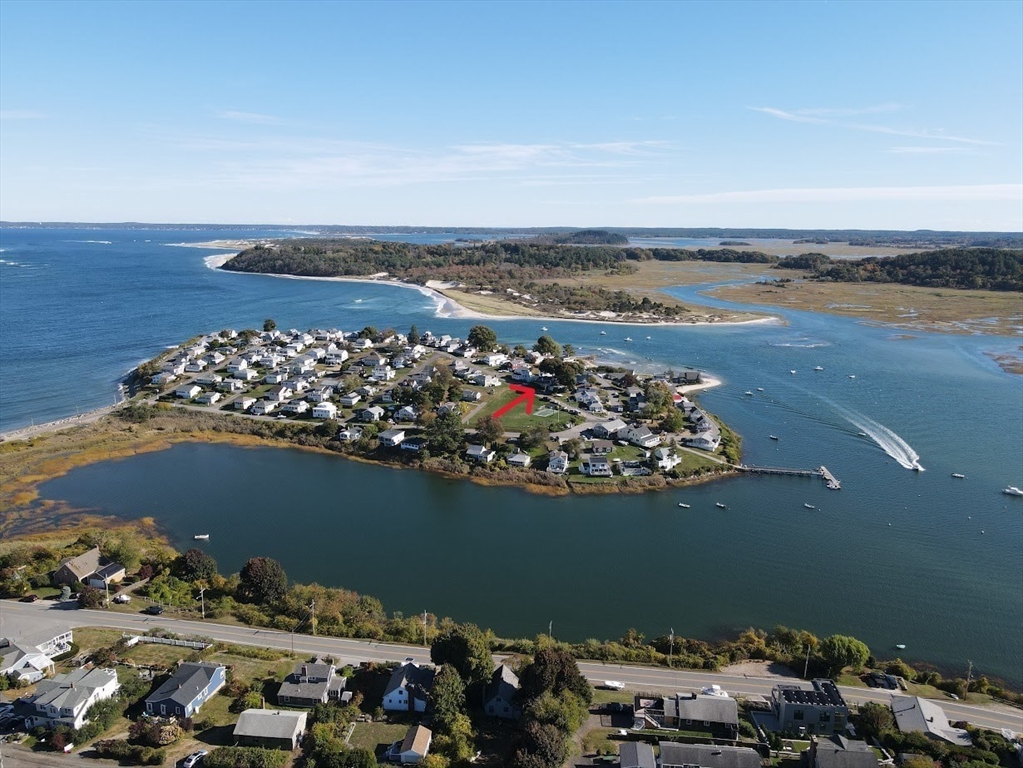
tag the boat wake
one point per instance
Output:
(886, 439)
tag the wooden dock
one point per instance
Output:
(822, 472)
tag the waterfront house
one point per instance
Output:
(65, 699)
(350, 400)
(209, 398)
(371, 414)
(557, 462)
(325, 411)
(188, 391)
(77, 568)
(495, 359)
(270, 729)
(596, 466)
(111, 573)
(415, 444)
(413, 748)
(480, 454)
(817, 709)
(164, 377)
(349, 434)
(705, 441)
(311, 684)
(676, 755)
(916, 715)
(519, 460)
(408, 688)
(392, 438)
(499, 697)
(296, 407)
(639, 435)
(244, 403)
(30, 658)
(666, 458)
(186, 690)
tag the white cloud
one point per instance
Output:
(795, 117)
(1010, 192)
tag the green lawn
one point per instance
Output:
(371, 735)
(517, 420)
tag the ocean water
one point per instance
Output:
(896, 556)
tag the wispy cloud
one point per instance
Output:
(928, 150)
(1013, 192)
(827, 115)
(20, 114)
(250, 117)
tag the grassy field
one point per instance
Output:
(517, 420)
(371, 735)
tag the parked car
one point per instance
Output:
(614, 685)
(123, 599)
(154, 610)
(30, 598)
(194, 759)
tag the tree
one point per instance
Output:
(123, 549)
(489, 430)
(565, 372)
(533, 437)
(841, 651)
(875, 719)
(90, 597)
(413, 335)
(447, 698)
(569, 350)
(543, 746)
(445, 433)
(196, 564)
(262, 580)
(269, 325)
(547, 347)
(673, 421)
(466, 648)
(554, 670)
(369, 332)
(482, 337)
(520, 351)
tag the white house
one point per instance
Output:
(238, 365)
(408, 413)
(413, 748)
(596, 466)
(408, 689)
(278, 377)
(264, 407)
(319, 395)
(480, 453)
(640, 436)
(383, 373)
(247, 375)
(609, 428)
(164, 377)
(231, 386)
(244, 403)
(373, 413)
(350, 399)
(557, 462)
(296, 406)
(279, 393)
(208, 398)
(195, 366)
(520, 460)
(209, 379)
(666, 458)
(392, 437)
(349, 434)
(188, 391)
(325, 411)
(66, 698)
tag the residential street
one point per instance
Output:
(20, 618)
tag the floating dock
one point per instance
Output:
(822, 472)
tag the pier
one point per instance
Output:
(822, 472)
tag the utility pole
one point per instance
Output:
(806, 666)
(424, 627)
(202, 601)
(671, 648)
(969, 677)
(312, 615)
(550, 630)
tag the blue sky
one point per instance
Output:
(806, 114)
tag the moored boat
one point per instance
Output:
(719, 504)
(1012, 490)
(684, 506)
(809, 506)
(201, 537)
(960, 475)
(774, 437)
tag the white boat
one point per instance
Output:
(649, 337)
(773, 437)
(959, 475)
(793, 373)
(819, 368)
(628, 338)
(543, 327)
(852, 375)
(748, 393)
(603, 333)
(719, 504)
(760, 389)
(1012, 490)
(862, 434)
(901, 646)
(809, 506)
(201, 537)
(684, 506)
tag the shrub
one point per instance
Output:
(245, 757)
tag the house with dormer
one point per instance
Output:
(408, 689)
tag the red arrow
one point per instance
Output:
(528, 393)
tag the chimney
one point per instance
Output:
(305, 670)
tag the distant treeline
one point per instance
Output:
(988, 269)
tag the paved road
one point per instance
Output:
(19, 618)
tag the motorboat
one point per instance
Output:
(862, 434)
(773, 437)
(201, 537)
(901, 646)
(793, 373)
(649, 337)
(628, 338)
(748, 393)
(1012, 490)
(760, 389)
(819, 368)
(852, 375)
(809, 506)
(960, 475)
(719, 504)
(543, 327)
(684, 506)
(603, 333)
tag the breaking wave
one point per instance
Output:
(886, 439)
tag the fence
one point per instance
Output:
(195, 645)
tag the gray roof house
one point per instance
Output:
(270, 728)
(311, 684)
(186, 690)
(65, 699)
(716, 715)
(819, 709)
(636, 754)
(840, 752)
(675, 755)
(409, 688)
(77, 568)
(500, 693)
(916, 715)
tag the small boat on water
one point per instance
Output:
(773, 437)
(819, 368)
(760, 389)
(719, 504)
(960, 475)
(901, 646)
(1012, 490)
(628, 338)
(201, 537)
(862, 434)
(793, 373)
(543, 327)
(649, 337)
(684, 506)
(748, 393)
(809, 506)
(603, 333)
(852, 375)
